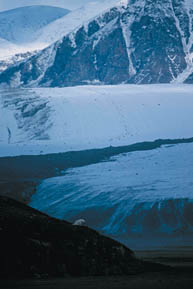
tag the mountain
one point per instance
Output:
(7, 48)
(61, 22)
(63, 26)
(33, 244)
(19, 25)
(138, 41)
(10, 4)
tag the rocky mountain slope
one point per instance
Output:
(25, 36)
(36, 27)
(34, 244)
(138, 41)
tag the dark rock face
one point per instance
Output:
(143, 42)
(33, 244)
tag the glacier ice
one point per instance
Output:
(146, 194)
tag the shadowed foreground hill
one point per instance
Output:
(33, 244)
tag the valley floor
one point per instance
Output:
(180, 258)
(174, 280)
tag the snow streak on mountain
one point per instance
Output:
(136, 41)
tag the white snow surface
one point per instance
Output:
(72, 5)
(20, 25)
(63, 26)
(36, 34)
(7, 49)
(52, 120)
(18, 28)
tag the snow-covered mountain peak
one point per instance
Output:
(33, 37)
(74, 20)
(19, 25)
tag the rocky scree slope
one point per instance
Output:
(136, 41)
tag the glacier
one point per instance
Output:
(52, 120)
(144, 199)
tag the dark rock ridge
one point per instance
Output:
(34, 244)
(138, 41)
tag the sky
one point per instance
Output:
(69, 4)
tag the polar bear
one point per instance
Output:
(80, 222)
